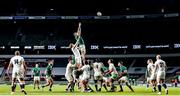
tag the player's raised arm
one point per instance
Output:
(79, 29)
(78, 34)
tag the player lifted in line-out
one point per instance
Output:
(98, 77)
(123, 77)
(151, 74)
(18, 72)
(69, 74)
(36, 73)
(48, 73)
(160, 68)
(78, 63)
(114, 75)
(80, 42)
(74, 49)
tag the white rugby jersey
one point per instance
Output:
(161, 65)
(17, 63)
(76, 52)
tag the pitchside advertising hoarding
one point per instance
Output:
(98, 47)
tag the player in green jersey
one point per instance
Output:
(80, 42)
(123, 76)
(48, 73)
(114, 75)
(105, 77)
(36, 74)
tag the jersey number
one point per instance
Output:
(161, 64)
(16, 61)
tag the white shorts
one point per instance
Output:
(78, 60)
(123, 79)
(85, 77)
(36, 78)
(82, 48)
(105, 79)
(69, 77)
(161, 74)
(153, 77)
(148, 80)
(18, 74)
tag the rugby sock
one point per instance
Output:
(72, 87)
(112, 87)
(22, 88)
(175, 84)
(95, 81)
(100, 85)
(105, 87)
(129, 86)
(13, 88)
(147, 85)
(159, 87)
(68, 86)
(120, 86)
(154, 88)
(52, 85)
(165, 86)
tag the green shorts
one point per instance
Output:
(114, 76)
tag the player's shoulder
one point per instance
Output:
(94, 63)
(163, 61)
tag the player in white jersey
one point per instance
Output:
(78, 62)
(85, 76)
(152, 74)
(19, 68)
(69, 75)
(114, 74)
(97, 65)
(77, 55)
(160, 68)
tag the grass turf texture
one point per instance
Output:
(60, 90)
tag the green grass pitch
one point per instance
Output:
(60, 90)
